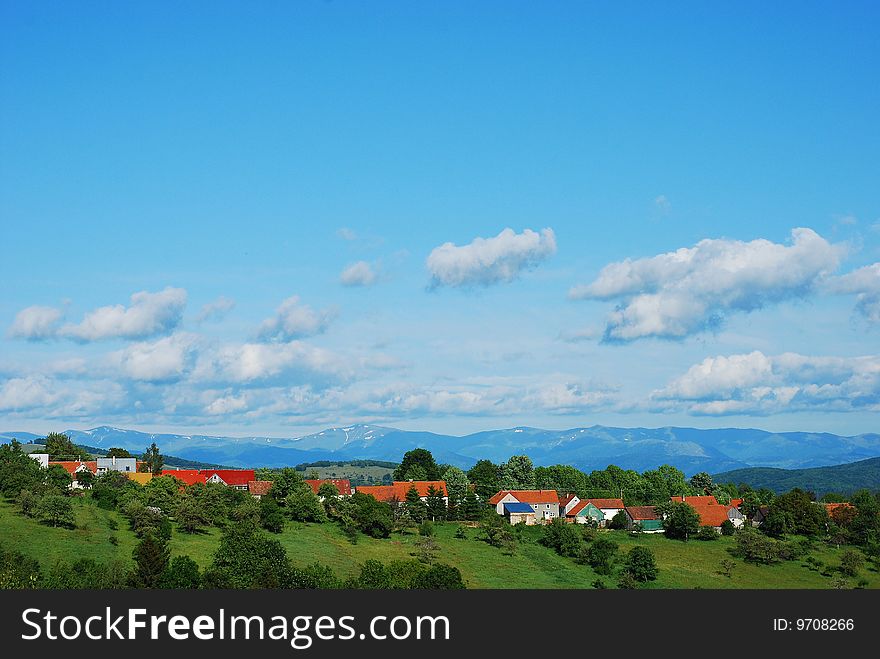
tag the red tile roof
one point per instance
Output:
(831, 507)
(399, 489)
(711, 514)
(527, 496)
(259, 488)
(579, 506)
(696, 501)
(342, 484)
(642, 512)
(607, 503)
(231, 476)
(565, 499)
(736, 503)
(188, 476)
(72, 466)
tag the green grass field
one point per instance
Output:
(681, 565)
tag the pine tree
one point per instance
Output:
(151, 556)
(436, 507)
(415, 507)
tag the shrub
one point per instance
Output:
(727, 527)
(707, 533)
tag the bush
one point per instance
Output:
(601, 554)
(640, 564)
(851, 562)
(565, 539)
(707, 533)
(460, 533)
(727, 527)
(426, 528)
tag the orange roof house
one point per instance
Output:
(140, 477)
(527, 496)
(188, 476)
(398, 490)
(607, 504)
(74, 466)
(237, 478)
(696, 501)
(715, 514)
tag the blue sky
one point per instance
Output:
(269, 218)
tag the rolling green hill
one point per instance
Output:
(844, 478)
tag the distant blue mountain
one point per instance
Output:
(595, 447)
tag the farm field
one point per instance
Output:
(694, 564)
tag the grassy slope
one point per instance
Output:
(691, 565)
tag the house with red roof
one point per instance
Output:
(584, 512)
(643, 518)
(237, 479)
(545, 503)
(708, 500)
(714, 515)
(609, 507)
(74, 467)
(397, 491)
(342, 485)
(567, 502)
(187, 476)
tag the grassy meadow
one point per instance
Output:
(695, 564)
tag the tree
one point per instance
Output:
(518, 473)
(59, 447)
(471, 508)
(727, 527)
(439, 577)
(457, 487)
(486, 477)
(436, 506)
(271, 515)
(303, 506)
(795, 512)
(151, 556)
(56, 509)
(57, 478)
(727, 566)
(18, 471)
(681, 522)
(619, 521)
(417, 458)
(707, 533)
(640, 564)
(190, 514)
(182, 573)
(851, 562)
(286, 482)
(328, 491)
(565, 539)
(29, 503)
(152, 460)
(369, 515)
(116, 452)
(415, 507)
(85, 478)
(601, 554)
(702, 483)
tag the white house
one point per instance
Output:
(42, 458)
(125, 465)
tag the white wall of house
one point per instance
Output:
(571, 504)
(42, 458)
(507, 498)
(124, 465)
(610, 513)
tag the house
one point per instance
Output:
(585, 512)
(714, 515)
(545, 503)
(644, 518)
(259, 489)
(125, 465)
(237, 479)
(736, 503)
(517, 513)
(74, 467)
(398, 490)
(609, 507)
(140, 477)
(188, 476)
(708, 500)
(342, 485)
(760, 515)
(567, 502)
(42, 458)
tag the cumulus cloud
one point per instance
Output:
(360, 273)
(758, 384)
(226, 405)
(293, 320)
(253, 362)
(52, 398)
(864, 283)
(156, 361)
(215, 310)
(487, 261)
(35, 323)
(680, 293)
(148, 314)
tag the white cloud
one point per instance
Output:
(227, 405)
(293, 320)
(35, 323)
(156, 361)
(346, 234)
(52, 398)
(252, 362)
(758, 384)
(215, 310)
(148, 315)
(679, 293)
(487, 261)
(865, 284)
(360, 273)
(662, 204)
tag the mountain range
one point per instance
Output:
(595, 447)
(843, 479)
